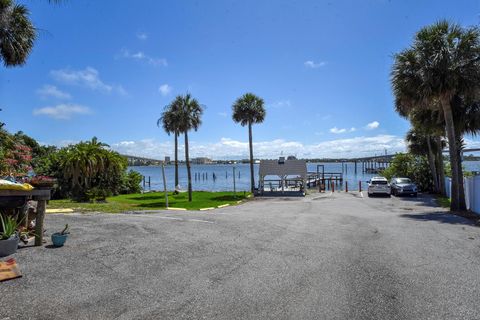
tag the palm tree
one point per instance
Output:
(442, 62)
(247, 110)
(169, 121)
(17, 33)
(189, 117)
(429, 124)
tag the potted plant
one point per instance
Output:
(42, 182)
(9, 236)
(59, 238)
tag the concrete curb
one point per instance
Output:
(205, 209)
(66, 210)
(176, 209)
(224, 205)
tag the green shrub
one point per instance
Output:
(131, 182)
(410, 166)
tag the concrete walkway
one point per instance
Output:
(329, 256)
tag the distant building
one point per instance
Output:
(201, 160)
(167, 159)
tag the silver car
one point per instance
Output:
(378, 185)
(401, 186)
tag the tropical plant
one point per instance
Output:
(87, 170)
(9, 227)
(131, 182)
(189, 117)
(442, 63)
(169, 121)
(17, 33)
(248, 110)
(410, 166)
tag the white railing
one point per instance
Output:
(472, 192)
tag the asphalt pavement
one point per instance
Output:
(325, 256)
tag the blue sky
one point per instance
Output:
(107, 68)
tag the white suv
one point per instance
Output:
(378, 185)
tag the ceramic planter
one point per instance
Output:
(9, 246)
(59, 239)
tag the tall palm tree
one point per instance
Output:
(189, 117)
(169, 121)
(247, 110)
(17, 33)
(443, 61)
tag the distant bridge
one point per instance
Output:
(141, 161)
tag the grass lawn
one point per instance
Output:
(151, 201)
(443, 201)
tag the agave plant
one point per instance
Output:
(9, 227)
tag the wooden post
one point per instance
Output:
(41, 205)
(359, 186)
(234, 186)
(333, 186)
(346, 186)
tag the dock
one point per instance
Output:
(315, 179)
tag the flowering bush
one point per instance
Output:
(41, 180)
(17, 161)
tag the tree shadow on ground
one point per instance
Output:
(227, 198)
(441, 217)
(159, 204)
(422, 199)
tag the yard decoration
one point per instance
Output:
(9, 236)
(59, 238)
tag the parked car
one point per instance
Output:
(378, 185)
(401, 186)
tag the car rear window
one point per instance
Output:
(404, 180)
(379, 182)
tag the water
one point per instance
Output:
(224, 175)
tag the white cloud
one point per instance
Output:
(342, 130)
(280, 104)
(165, 89)
(142, 36)
(89, 77)
(140, 56)
(372, 125)
(62, 111)
(52, 91)
(228, 148)
(314, 65)
(222, 114)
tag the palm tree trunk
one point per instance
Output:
(440, 167)
(189, 173)
(452, 148)
(252, 178)
(431, 162)
(461, 188)
(176, 159)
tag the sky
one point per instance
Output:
(108, 68)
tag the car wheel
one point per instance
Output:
(369, 195)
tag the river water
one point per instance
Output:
(224, 175)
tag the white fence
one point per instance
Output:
(472, 192)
